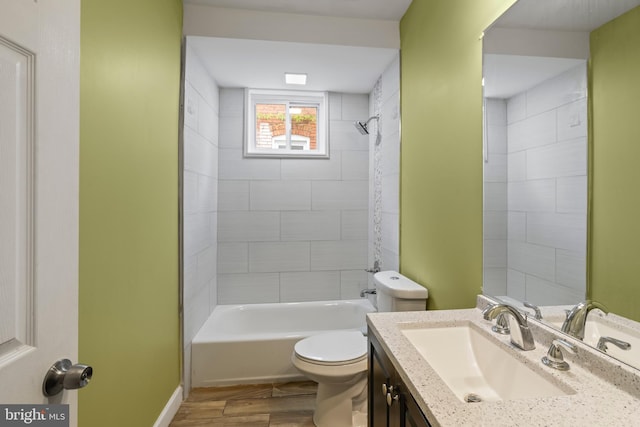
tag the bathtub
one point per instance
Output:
(253, 343)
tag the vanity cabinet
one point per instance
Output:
(390, 403)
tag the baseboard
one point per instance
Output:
(170, 409)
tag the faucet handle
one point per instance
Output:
(602, 344)
(535, 308)
(554, 358)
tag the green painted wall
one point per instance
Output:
(441, 174)
(129, 327)
(615, 209)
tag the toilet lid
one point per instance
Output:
(333, 347)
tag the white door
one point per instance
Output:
(39, 133)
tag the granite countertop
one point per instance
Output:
(607, 392)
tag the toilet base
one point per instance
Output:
(340, 405)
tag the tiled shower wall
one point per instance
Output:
(384, 160)
(545, 195)
(200, 201)
(293, 229)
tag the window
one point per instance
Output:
(286, 124)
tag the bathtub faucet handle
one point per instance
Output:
(374, 269)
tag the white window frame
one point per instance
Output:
(291, 99)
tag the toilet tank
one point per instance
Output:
(396, 292)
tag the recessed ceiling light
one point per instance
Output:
(295, 79)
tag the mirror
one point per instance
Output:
(536, 148)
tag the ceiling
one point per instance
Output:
(262, 64)
(391, 10)
(507, 75)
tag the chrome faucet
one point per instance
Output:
(576, 319)
(535, 308)
(602, 344)
(371, 291)
(521, 335)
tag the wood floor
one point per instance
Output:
(262, 405)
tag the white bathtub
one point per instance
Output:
(252, 343)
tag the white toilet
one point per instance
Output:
(337, 361)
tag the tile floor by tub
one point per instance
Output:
(262, 405)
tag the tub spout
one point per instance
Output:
(364, 292)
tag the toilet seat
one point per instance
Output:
(332, 348)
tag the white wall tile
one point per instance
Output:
(232, 165)
(233, 195)
(233, 257)
(335, 106)
(339, 255)
(355, 106)
(390, 260)
(251, 288)
(572, 195)
(355, 165)
(196, 233)
(207, 265)
(391, 79)
(241, 226)
(544, 292)
(495, 225)
(495, 281)
(313, 169)
(310, 286)
(516, 108)
(310, 225)
(517, 226)
(354, 225)
(495, 253)
(352, 282)
(391, 194)
(231, 132)
(267, 257)
(557, 91)
(196, 313)
(207, 122)
(535, 131)
(329, 195)
(495, 196)
(390, 231)
(516, 285)
(532, 259)
(191, 102)
(190, 192)
(571, 270)
(390, 155)
(344, 136)
(496, 111)
(563, 231)
(390, 116)
(532, 196)
(231, 102)
(517, 166)
(199, 154)
(207, 194)
(572, 120)
(558, 160)
(497, 139)
(495, 170)
(280, 195)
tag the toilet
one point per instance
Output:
(337, 361)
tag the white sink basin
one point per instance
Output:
(472, 365)
(597, 327)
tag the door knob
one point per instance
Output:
(64, 375)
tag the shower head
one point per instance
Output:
(363, 127)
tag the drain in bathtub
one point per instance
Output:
(472, 398)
